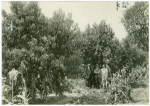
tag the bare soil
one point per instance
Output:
(140, 97)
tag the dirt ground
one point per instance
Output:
(94, 96)
(82, 95)
(140, 96)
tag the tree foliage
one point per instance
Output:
(42, 48)
(136, 22)
(35, 45)
(97, 45)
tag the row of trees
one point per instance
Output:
(48, 47)
(101, 46)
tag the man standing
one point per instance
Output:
(98, 77)
(104, 74)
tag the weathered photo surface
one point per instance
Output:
(75, 53)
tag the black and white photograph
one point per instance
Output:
(75, 52)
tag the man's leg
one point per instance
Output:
(103, 83)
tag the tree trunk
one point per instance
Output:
(24, 87)
(101, 59)
(12, 91)
(33, 88)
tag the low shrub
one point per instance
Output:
(120, 90)
(138, 77)
(67, 86)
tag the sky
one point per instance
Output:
(87, 12)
